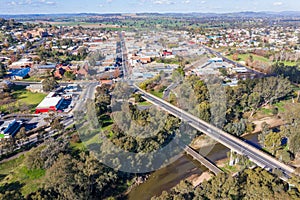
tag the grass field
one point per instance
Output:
(15, 174)
(289, 63)
(23, 96)
(30, 98)
(145, 103)
(244, 57)
(32, 79)
(157, 93)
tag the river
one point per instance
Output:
(169, 176)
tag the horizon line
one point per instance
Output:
(149, 12)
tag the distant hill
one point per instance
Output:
(247, 14)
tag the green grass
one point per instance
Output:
(229, 169)
(23, 96)
(157, 93)
(15, 171)
(280, 106)
(266, 111)
(29, 98)
(8, 166)
(75, 24)
(94, 139)
(145, 103)
(78, 146)
(289, 63)
(25, 173)
(32, 79)
(244, 57)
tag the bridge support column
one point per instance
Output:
(233, 159)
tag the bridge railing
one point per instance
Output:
(223, 133)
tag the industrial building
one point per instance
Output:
(50, 103)
(10, 128)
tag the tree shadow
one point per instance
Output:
(2, 176)
(15, 186)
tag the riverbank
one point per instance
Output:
(184, 168)
(198, 179)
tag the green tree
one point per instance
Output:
(2, 70)
(49, 84)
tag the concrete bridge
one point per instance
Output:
(256, 155)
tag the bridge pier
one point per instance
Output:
(196, 156)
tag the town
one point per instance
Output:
(58, 78)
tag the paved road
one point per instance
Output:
(123, 52)
(257, 73)
(260, 158)
(167, 91)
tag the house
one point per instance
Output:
(83, 71)
(35, 88)
(19, 74)
(5, 84)
(145, 60)
(167, 53)
(106, 82)
(10, 128)
(216, 60)
(25, 62)
(47, 67)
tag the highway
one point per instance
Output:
(257, 156)
(123, 51)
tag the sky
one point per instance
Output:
(137, 6)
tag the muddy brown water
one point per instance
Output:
(166, 178)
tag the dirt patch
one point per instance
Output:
(272, 121)
(197, 180)
(202, 141)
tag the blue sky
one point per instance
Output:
(134, 6)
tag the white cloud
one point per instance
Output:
(168, 2)
(50, 2)
(12, 3)
(31, 3)
(186, 1)
(278, 3)
(203, 2)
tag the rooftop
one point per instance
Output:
(49, 102)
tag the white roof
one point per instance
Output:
(50, 95)
(48, 102)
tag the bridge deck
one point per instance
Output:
(202, 160)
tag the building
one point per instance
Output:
(216, 60)
(10, 128)
(71, 88)
(167, 53)
(50, 103)
(5, 84)
(47, 67)
(19, 74)
(25, 62)
(240, 69)
(35, 88)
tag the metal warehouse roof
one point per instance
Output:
(20, 72)
(49, 102)
(52, 66)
